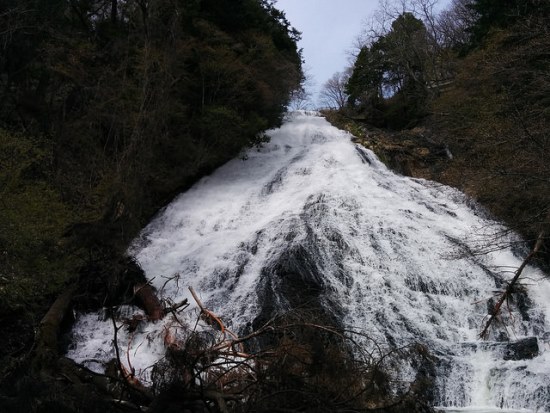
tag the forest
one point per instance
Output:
(110, 108)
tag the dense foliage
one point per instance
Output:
(501, 14)
(110, 107)
(394, 69)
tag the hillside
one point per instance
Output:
(109, 109)
(462, 97)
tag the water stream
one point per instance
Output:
(312, 215)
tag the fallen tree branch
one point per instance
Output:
(511, 285)
(240, 340)
(211, 317)
(175, 307)
(128, 376)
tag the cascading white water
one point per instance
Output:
(386, 254)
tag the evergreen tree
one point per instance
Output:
(392, 74)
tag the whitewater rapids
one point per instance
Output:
(310, 215)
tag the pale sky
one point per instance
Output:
(329, 28)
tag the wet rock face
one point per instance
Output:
(294, 281)
(298, 277)
(525, 349)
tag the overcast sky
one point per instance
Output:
(329, 29)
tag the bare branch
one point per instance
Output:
(333, 95)
(510, 289)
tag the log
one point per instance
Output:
(50, 325)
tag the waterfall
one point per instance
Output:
(312, 216)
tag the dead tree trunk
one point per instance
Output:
(50, 325)
(508, 291)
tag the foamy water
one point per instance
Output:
(389, 255)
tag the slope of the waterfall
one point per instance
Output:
(310, 218)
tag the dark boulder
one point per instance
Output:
(524, 349)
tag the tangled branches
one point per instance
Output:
(293, 362)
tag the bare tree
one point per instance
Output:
(507, 293)
(333, 95)
(452, 23)
(13, 20)
(300, 98)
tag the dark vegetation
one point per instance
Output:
(109, 108)
(470, 82)
(300, 367)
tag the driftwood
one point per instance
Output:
(211, 318)
(200, 376)
(176, 307)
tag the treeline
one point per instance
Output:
(475, 75)
(109, 108)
